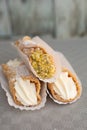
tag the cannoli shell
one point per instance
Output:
(67, 67)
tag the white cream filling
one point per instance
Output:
(65, 86)
(13, 63)
(25, 92)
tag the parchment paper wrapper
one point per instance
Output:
(5, 87)
(65, 64)
(40, 43)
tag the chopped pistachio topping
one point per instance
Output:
(42, 63)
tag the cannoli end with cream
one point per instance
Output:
(25, 89)
(66, 89)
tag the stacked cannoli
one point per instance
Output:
(40, 69)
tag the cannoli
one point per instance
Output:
(66, 88)
(24, 87)
(39, 58)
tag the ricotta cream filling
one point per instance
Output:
(25, 92)
(65, 86)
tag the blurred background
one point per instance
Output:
(55, 18)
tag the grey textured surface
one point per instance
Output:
(52, 116)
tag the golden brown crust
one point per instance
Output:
(57, 97)
(10, 75)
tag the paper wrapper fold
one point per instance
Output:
(5, 87)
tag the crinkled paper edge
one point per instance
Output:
(4, 85)
(65, 63)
